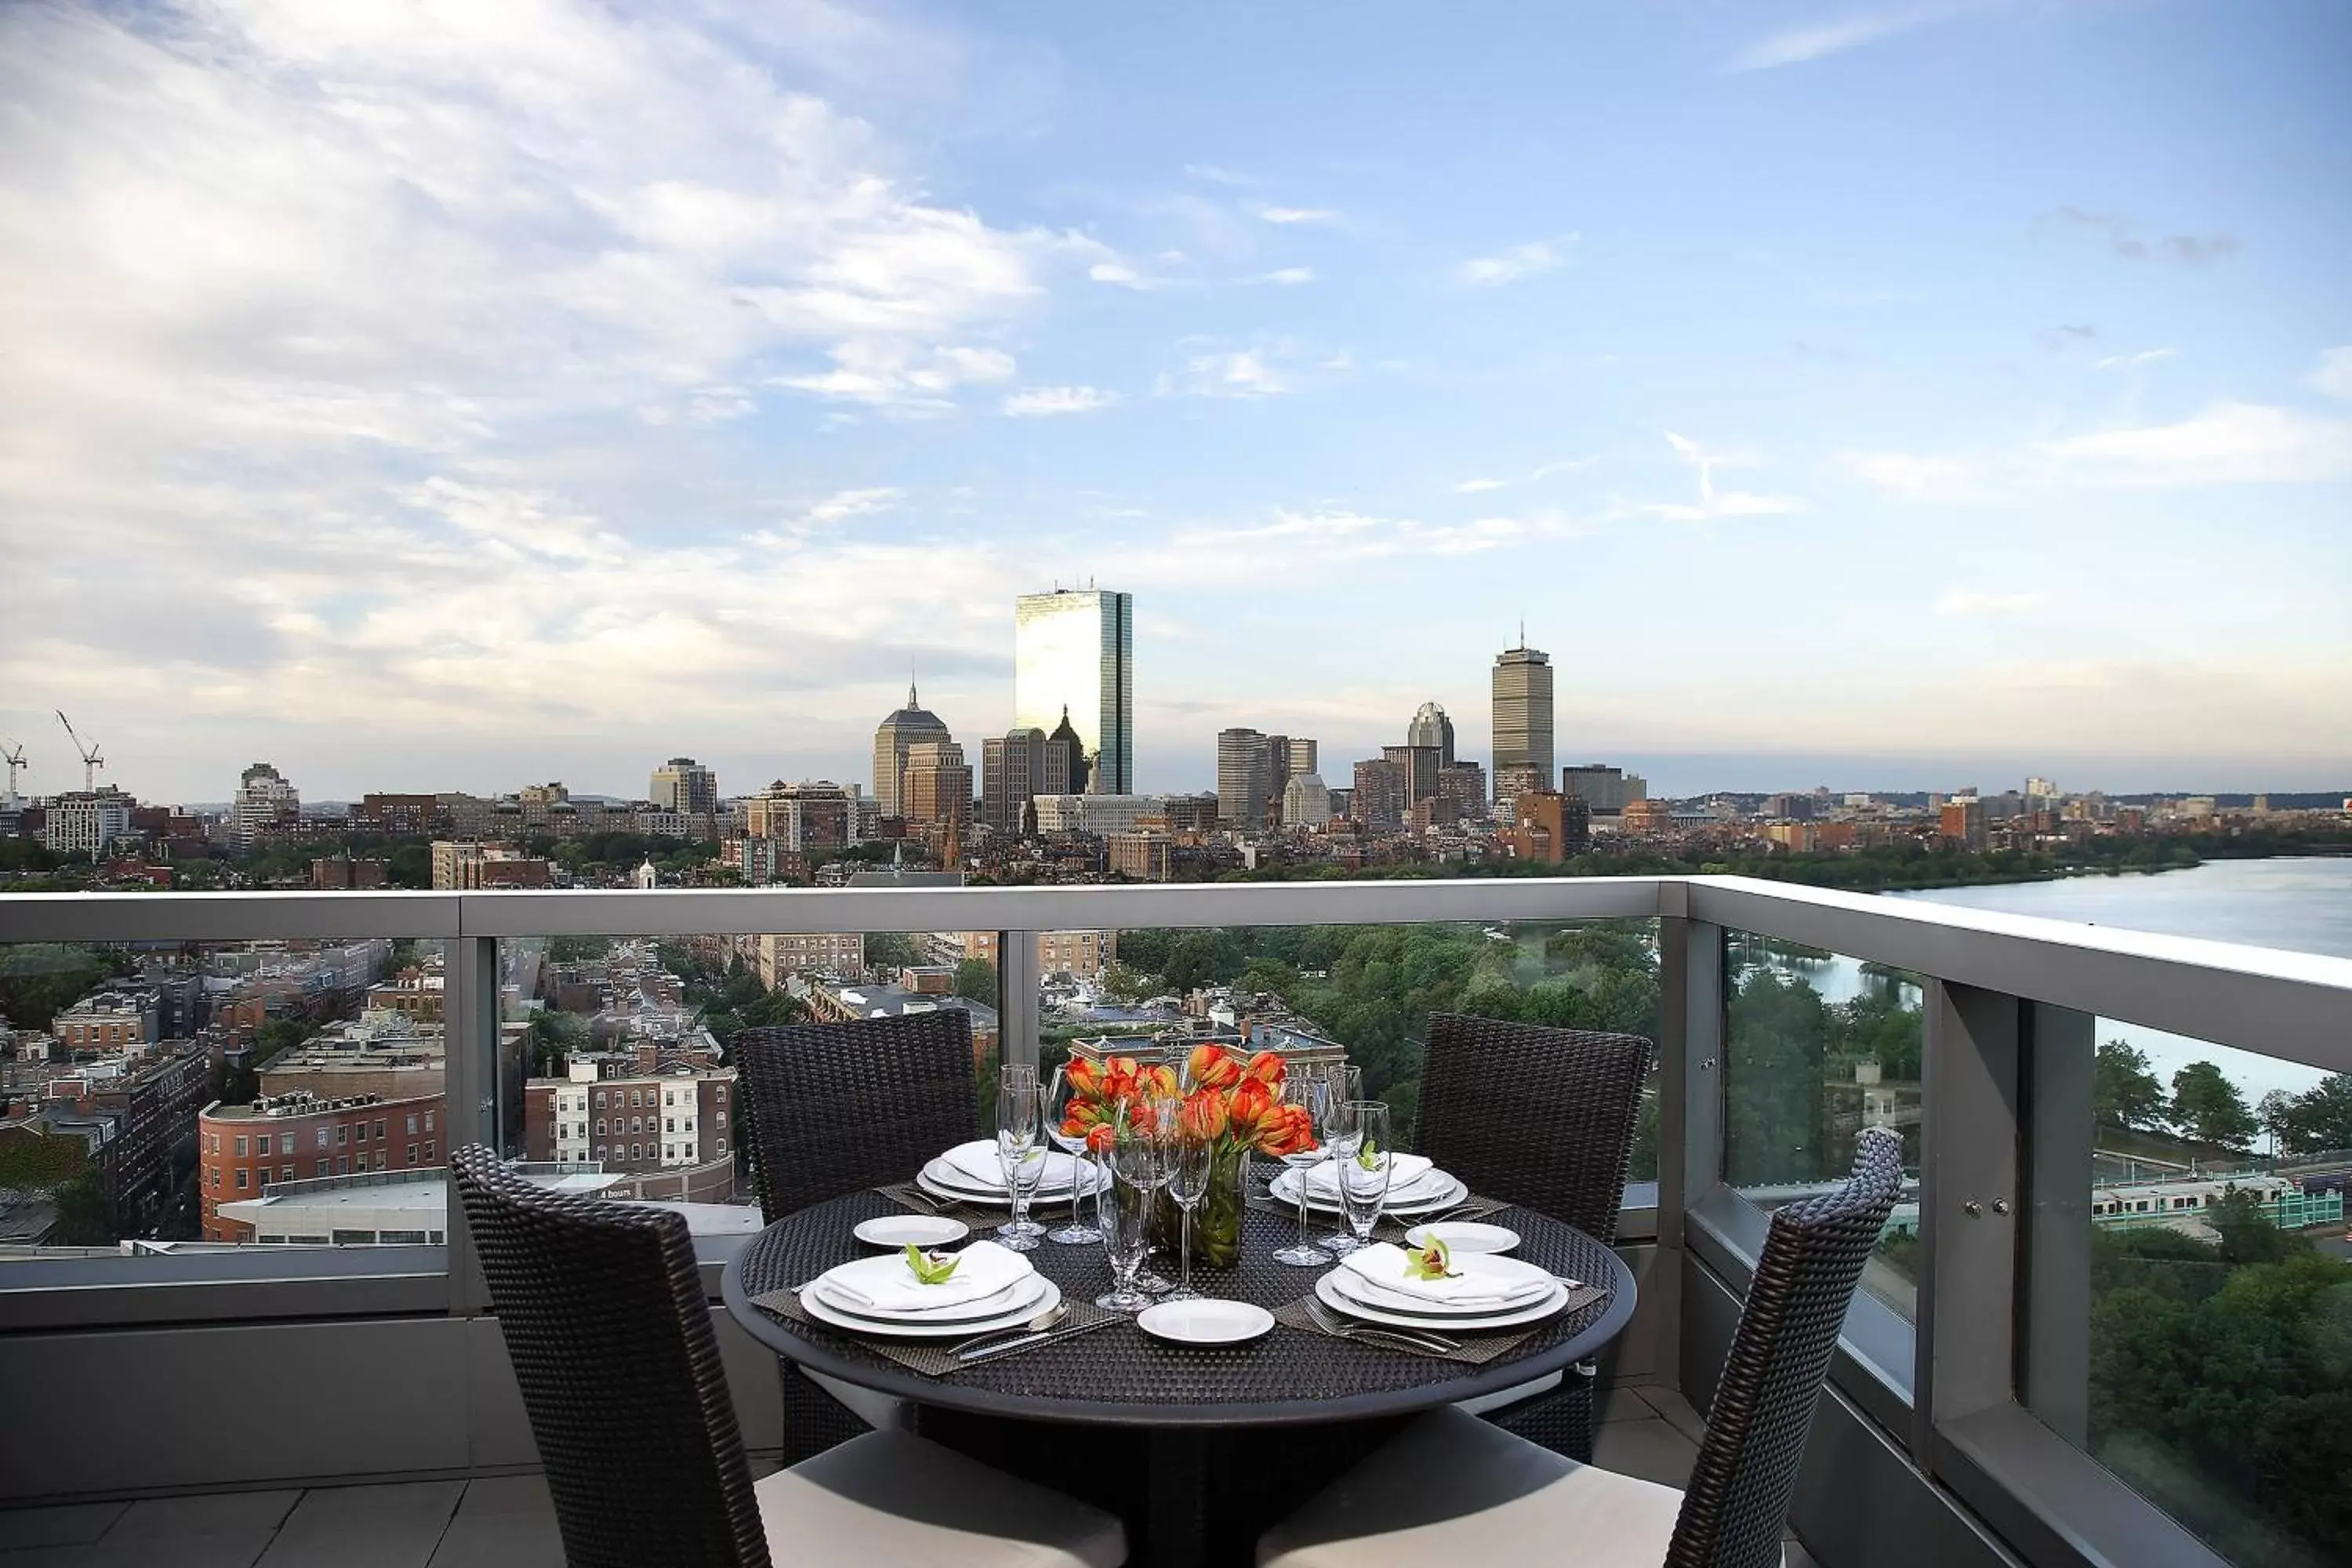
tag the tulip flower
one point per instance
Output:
(1203, 1117)
(1212, 1066)
(1267, 1068)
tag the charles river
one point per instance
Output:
(2303, 903)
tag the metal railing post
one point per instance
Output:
(471, 1011)
(1016, 996)
(1968, 1196)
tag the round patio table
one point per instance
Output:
(1170, 1437)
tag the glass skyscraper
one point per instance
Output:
(1522, 721)
(1073, 651)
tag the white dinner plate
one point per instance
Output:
(1205, 1321)
(1379, 1294)
(1284, 1188)
(824, 1311)
(1328, 1292)
(925, 1230)
(1021, 1292)
(1464, 1235)
(957, 1180)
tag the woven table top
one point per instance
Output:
(1121, 1376)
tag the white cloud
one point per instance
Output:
(1972, 604)
(2334, 375)
(1032, 402)
(1295, 214)
(842, 505)
(1242, 372)
(2228, 443)
(1474, 487)
(898, 376)
(1920, 475)
(1121, 275)
(1713, 503)
(2134, 361)
(1796, 46)
(1288, 276)
(1517, 263)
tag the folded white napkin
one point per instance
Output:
(1407, 1172)
(885, 1284)
(979, 1161)
(1484, 1282)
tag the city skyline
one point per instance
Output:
(679, 405)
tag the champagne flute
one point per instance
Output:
(1017, 1148)
(1344, 1087)
(1154, 1120)
(1188, 1160)
(1309, 1091)
(1059, 1095)
(1364, 1174)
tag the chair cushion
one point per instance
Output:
(1451, 1488)
(877, 1410)
(892, 1498)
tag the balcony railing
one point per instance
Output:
(1966, 1359)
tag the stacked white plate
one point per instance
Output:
(881, 1296)
(1415, 1187)
(1490, 1291)
(973, 1173)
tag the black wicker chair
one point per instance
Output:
(609, 1333)
(837, 1107)
(1462, 1488)
(1545, 1118)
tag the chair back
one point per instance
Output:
(608, 1328)
(1738, 1500)
(1539, 1116)
(837, 1107)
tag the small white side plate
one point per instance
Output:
(1205, 1321)
(1464, 1235)
(922, 1229)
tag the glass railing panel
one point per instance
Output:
(617, 1072)
(1817, 1046)
(1367, 991)
(168, 1098)
(2189, 1318)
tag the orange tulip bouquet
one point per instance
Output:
(1233, 1105)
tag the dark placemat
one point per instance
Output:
(1476, 1349)
(936, 1358)
(914, 1200)
(1392, 1227)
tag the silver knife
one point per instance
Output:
(985, 1352)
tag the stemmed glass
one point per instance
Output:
(1341, 1137)
(1309, 1092)
(1017, 1147)
(1364, 1174)
(1123, 1206)
(1154, 1120)
(1188, 1158)
(1059, 1096)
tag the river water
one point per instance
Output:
(2302, 903)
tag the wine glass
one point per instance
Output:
(1187, 1161)
(1123, 1211)
(1364, 1174)
(1153, 1117)
(1309, 1091)
(1059, 1095)
(1017, 1148)
(1343, 1087)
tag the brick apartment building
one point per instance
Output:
(241, 1149)
(681, 1119)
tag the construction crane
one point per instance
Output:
(14, 755)
(90, 760)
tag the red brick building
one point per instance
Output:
(241, 1149)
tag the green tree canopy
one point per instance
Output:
(2125, 1093)
(975, 981)
(2207, 1107)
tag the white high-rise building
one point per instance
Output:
(264, 800)
(1074, 658)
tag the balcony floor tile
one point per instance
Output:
(67, 1524)
(395, 1526)
(219, 1530)
(505, 1522)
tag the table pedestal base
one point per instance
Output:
(1191, 1497)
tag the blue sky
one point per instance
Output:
(427, 396)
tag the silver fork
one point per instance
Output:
(1337, 1327)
